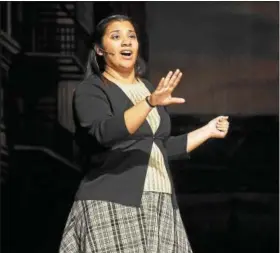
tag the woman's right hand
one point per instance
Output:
(163, 93)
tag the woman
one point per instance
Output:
(126, 201)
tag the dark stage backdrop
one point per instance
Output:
(228, 52)
(228, 189)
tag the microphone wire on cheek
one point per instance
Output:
(107, 52)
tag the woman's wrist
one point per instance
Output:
(149, 101)
(207, 131)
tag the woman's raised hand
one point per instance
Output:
(163, 93)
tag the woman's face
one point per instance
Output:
(120, 46)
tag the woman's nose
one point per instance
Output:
(126, 42)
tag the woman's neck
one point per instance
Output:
(123, 78)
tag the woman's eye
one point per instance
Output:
(115, 37)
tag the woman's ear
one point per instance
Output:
(98, 50)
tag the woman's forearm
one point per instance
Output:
(136, 115)
(197, 137)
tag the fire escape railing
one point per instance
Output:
(55, 32)
(49, 32)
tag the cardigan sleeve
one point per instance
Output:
(94, 114)
(176, 146)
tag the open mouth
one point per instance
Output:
(126, 53)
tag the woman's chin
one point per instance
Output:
(127, 67)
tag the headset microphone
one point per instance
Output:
(106, 51)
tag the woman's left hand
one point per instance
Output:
(218, 127)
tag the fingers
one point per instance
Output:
(177, 100)
(221, 118)
(222, 129)
(174, 78)
(222, 125)
(170, 81)
(167, 79)
(161, 84)
(162, 94)
(177, 81)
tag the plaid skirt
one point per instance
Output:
(106, 227)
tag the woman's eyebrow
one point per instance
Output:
(119, 30)
(114, 31)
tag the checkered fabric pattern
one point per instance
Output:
(95, 226)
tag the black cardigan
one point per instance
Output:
(117, 161)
